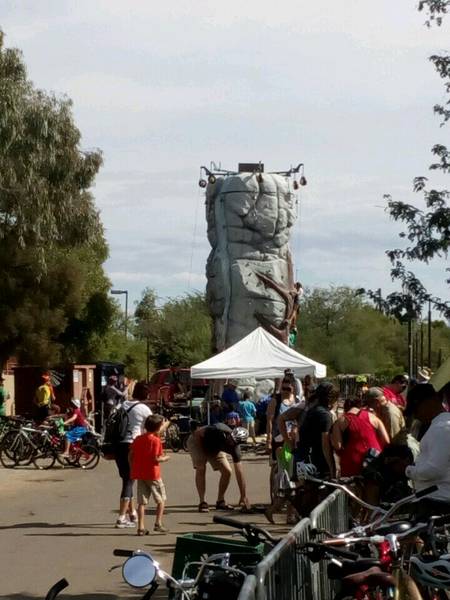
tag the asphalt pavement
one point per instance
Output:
(60, 523)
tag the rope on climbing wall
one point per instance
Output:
(296, 236)
(194, 236)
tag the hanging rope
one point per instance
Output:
(194, 235)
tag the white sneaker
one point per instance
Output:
(133, 517)
(123, 523)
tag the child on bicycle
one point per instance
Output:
(146, 454)
(79, 425)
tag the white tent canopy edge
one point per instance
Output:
(258, 355)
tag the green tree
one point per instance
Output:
(179, 332)
(337, 327)
(52, 244)
(427, 230)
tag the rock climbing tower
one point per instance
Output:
(250, 215)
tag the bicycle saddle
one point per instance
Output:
(349, 567)
(373, 577)
(394, 528)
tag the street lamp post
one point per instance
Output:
(117, 293)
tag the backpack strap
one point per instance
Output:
(132, 406)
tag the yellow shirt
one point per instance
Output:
(43, 395)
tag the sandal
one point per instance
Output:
(222, 505)
(142, 532)
(203, 507)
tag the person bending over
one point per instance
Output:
(211, 444)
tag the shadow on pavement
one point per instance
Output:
(43, 525)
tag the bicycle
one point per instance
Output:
(215, 577)
(21, 444)
(84, 453)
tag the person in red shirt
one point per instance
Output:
(394, 391)
(79, 425)
(146, 454)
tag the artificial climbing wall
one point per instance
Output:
(249, 270)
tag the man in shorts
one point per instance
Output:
(211, 444)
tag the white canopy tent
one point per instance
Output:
(258, 355)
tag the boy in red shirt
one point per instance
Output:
(146, 454)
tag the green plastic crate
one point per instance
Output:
(195, 546)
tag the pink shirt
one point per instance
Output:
(393, 397)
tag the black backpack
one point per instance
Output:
(117, 426)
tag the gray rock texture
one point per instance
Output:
(249, 270)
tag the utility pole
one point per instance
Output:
(429, 334)
(421, 344)
(410, 348)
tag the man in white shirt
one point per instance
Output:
(137, 412)
(432, 466)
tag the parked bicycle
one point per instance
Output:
(212, 577)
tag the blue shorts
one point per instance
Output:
(75, 434)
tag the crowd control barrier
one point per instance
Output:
(285, 574)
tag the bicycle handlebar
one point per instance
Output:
(58, 587)
(426, 491)
(331, 550)
(119, 552)
(229, 521)
(248, 530)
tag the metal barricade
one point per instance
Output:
(333, 515)
(285, 574)
(248, 590)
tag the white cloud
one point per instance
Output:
(165, 87)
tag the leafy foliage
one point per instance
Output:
(427, 230)
(337, 327)
(52, 244)
(179, 331)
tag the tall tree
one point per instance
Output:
(337, 327)
(426, 229)
(179, 332)
(51, 239)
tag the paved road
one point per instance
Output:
(60, 523)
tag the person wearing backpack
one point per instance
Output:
(129, 423)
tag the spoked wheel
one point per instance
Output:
(173, 439)
(85, 457)
(44, 458)
(13, 450)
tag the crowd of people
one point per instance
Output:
(392, 436)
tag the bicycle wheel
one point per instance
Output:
(173, 439)
(11, 450)
(44, 458)
(87, 457)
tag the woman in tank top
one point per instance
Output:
(353, 435)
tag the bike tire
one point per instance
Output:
(44, 459)
(173, 439)
(88, 457)
(11, 450)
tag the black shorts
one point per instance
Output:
(275, 446)
(42, 412)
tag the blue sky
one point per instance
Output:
(162, 88)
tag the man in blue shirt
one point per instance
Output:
(230, 396)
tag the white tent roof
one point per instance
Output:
(259, 354)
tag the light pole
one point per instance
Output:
(117, 293)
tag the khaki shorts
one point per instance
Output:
(200, 458)
(146, 488)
